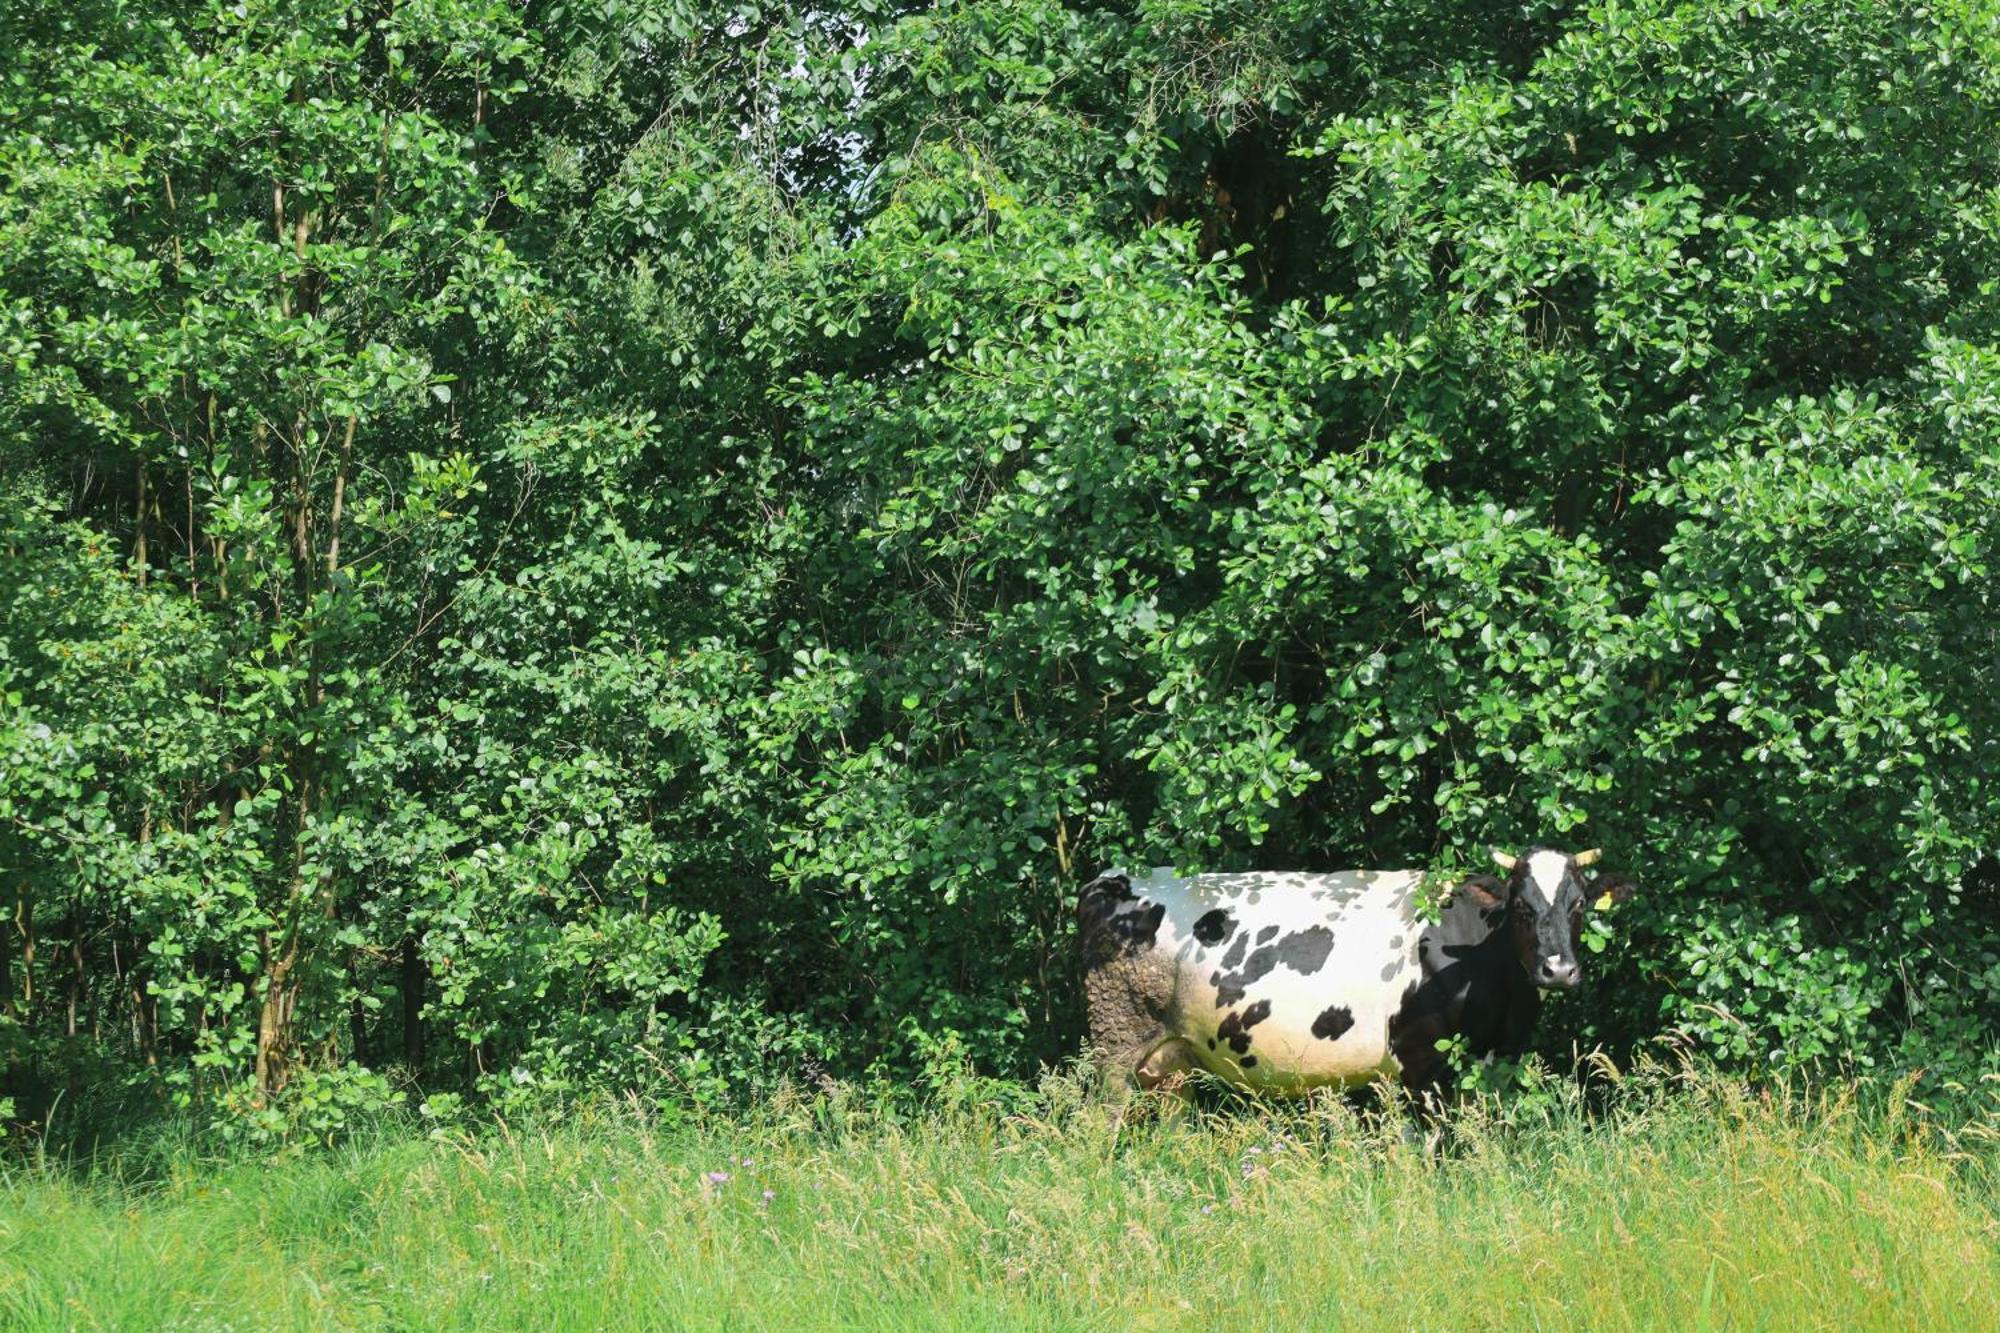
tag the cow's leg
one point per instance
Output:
(1166, 1067)
(1159, 1067)
(1427, 1082)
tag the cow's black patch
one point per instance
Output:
(1232, 985)
(1102, 895)
(1211, 928)
(1305, 951)
(1096, 905)
(1249, 1062)
(1235, 1028)
(1332, 1023)
(1109, 923)
(1139, 927)
(1211, 1043)
(1264, 935)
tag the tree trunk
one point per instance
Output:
(7, 1005)
(274, 1023)
(413, 1005)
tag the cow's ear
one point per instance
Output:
(1484, 890)
(1606, 890)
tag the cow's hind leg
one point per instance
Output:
(1131, 1047)
(1148, 1079)
(1166, 1067)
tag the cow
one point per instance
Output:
(1279, 983)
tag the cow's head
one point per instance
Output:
(1546, 893)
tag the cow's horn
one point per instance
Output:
(1589, 858)
(1501, 859)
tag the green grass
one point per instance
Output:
(1687, 1206)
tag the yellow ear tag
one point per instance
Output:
(1603, 902)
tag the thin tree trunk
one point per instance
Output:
(339, 497)
(7, 1005)
(357, 1014)
(129, 981)
(274, 1021)
(24, 922)
(413, 1004)
(139, 521)
(75, 988)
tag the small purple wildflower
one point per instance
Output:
(1207, 1208)
(718, 1177)
(769, 1195)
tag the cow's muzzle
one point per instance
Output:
(1557, 974)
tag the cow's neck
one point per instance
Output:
(1474, 981)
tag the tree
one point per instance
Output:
(642, 545)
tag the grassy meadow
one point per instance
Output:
(1684, 1203)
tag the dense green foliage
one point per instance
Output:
(1710, 1207)
(653, 545)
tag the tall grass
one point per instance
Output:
(1689, 1203)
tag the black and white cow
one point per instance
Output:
(1284, 982)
